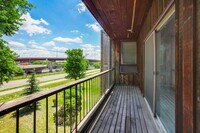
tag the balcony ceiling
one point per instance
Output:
(121, 19)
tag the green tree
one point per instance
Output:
(10, 21)
(10, 15)
(75, 64)
(70, 108)
(8, 67)
(31, 89)
(87, 64)
(39, 63)
(97, 64)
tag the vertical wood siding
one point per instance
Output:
(198, 63)
(186, 27)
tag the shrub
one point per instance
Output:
(69, 109)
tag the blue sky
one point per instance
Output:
(54, 26)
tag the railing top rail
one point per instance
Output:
(21, 102)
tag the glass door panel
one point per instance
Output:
(165, 80)
(149, 90)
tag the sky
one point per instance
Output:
(54, 26)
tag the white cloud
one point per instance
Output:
(33, 53)
(90, 52)
(96, 27)
(32, 42)
(81, 7)
(51, 43)
(88, 46)
(61, 49)
(68, 40)
(38, 47)
(38, 53)
(43, 21)
(74, 31)
(13, 44)
(33, 26)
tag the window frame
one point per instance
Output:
(128, 65)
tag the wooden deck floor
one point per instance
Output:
(125, 112)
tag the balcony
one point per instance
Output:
(99, 106)
(124, 112)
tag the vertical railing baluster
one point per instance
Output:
(64, 111)
(34, 118)
(80, 94)
(96, 85)
(76, 108)
(70, 109)
(91, 92)
(17, 121)
(47, 115)
(102, 87)
(93, 89)
(97, 98)
(84, 99)
(106, 81)
(89, 96)
(56, 112)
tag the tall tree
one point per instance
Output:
(10, 15)
(97, 64)
(31, 89)
(8, 67)
(75, 64)
(10, 21)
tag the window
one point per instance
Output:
(128, 57)
(128, 53)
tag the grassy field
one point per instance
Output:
(8, 122)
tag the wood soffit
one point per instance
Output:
(121, 19)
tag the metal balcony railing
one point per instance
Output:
(63, 108)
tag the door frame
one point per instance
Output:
(154, 71)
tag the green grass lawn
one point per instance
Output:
(8, 122)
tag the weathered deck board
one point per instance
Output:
(126, 111)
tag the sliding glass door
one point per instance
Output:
(165, 79)
(149, 71)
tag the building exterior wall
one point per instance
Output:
(187, 58)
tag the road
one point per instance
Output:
(21, 88)
(22, 82)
